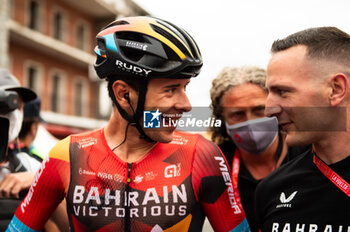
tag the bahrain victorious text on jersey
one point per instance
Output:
(172, 188)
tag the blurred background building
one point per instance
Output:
(48, 45)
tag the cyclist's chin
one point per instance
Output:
(162, 136)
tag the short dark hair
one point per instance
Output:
(328, 43)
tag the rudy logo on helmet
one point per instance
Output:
(132, 68)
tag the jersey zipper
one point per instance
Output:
(127, 208)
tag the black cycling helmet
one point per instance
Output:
(146, 47)
(142, 48)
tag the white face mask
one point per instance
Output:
(15, 117)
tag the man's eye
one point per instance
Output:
(172, 90)
(259, 111)
(236, 115)
(281, 92)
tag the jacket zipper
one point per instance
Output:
(127, 208)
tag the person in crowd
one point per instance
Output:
(308, 83)
(135, 174)
(19, 165)
(13, 162)
(16, 170)
(29, 129)
(251, 143)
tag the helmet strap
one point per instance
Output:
(122, 112)
(134, 119)
(139, 112)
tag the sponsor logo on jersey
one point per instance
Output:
(151, 118)
(132, 68)
(150, 175)
(87, 142)
(86, 172)
(102, 175)
(286, 201)
(30, 193)
(172, 170)
(90, 202)
(118, 178)
(105, 175)
(179, 140)
(138, 179)
(227, 178)
(302, 227)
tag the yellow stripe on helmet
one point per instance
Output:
(137, 25)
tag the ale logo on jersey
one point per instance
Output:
(151, 118)
(172, 171)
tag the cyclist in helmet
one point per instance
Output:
(126, 177)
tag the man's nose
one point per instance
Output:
(272, 107)
(183, 103)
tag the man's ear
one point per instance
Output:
(339, 88)
(120, 89)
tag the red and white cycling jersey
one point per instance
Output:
(172, 188)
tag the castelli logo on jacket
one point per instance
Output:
(132, 68)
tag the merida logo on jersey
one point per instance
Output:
(29, 196)
(132, 68)
(300, 227)
(91, 203)
(285, 201)
(227, 178)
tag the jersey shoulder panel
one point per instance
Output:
(61, 150)
(87, 138)
(206, 149)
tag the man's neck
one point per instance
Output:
(333, 149)
(133, 149)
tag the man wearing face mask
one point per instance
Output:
(252, 143)
(29, 130)
(16, 169)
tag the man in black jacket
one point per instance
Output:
(308, 82)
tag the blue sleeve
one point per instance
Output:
(17, 226)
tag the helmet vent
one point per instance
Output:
(192, 70)
(193, 46)
(116, 23)
(171, 38)
(132, 54)
(131, 36)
